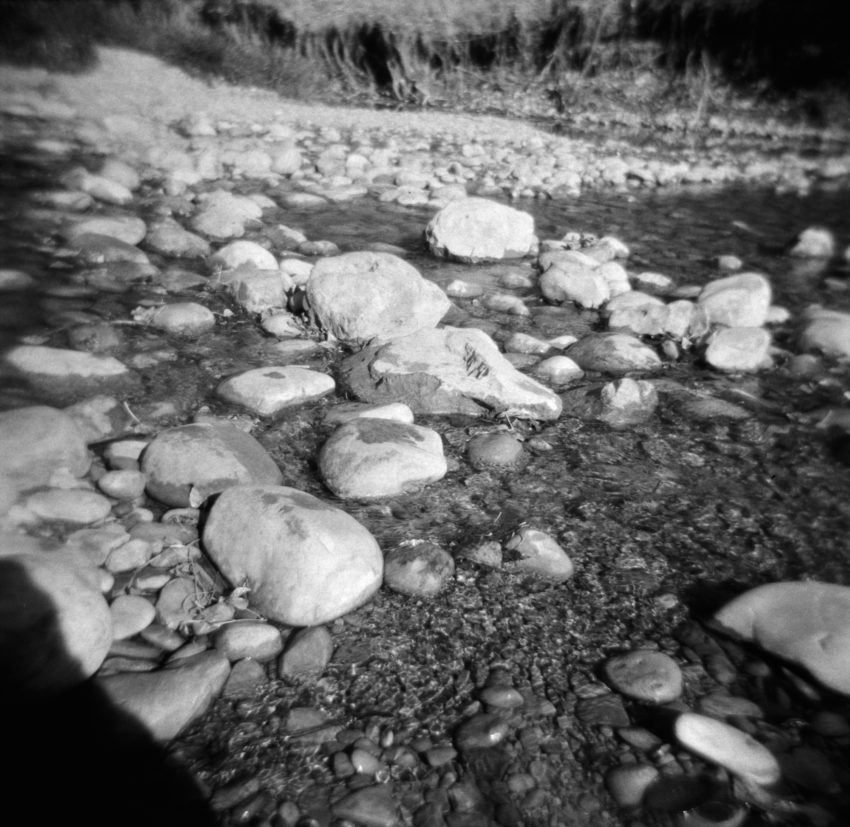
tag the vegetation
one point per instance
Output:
(435, 50)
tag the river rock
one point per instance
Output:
(239, 253)
(365, 296)
(737, 301)
(346, 411)
(451, 370)
(728, 747)
(168, 700)
(36, 441)
(476, 229)
(369, 807)
(481, 731)
(307, 654)
(104, 249)
(613, 353)
(55, 625)
(62, 374)
(807, 623)
(558, 370)
(249, 639)
(74, 505)
(127, 228)
(814, 242)
(627, 402)
(645, 675)
(368, 458)
(532, 551)
(628, 783)
(131, 613)
(418, 569)
(257, 291)
(495, 450)
(267, 391)
(734, 349)
(168, 238)
(826, 331)
(224, 215)
(206, 457)
(574, 282)
(305, 562)
(123, 485)
(183, 318)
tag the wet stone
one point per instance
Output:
(603, 710)
(307, 654)
(420, 570)
(728, 747)
(497, 451)
(628, 784)
(246, 677)
(481, 731)
(370, 807)
(645, 675)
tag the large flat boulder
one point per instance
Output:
(450, 370)
(364, 296)
(304, 561)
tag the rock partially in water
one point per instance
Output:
(418, 569)
(627, 402)
(807, 623)
(240, 253)
(223, 215)
(737, 301)
(451, 370)
(574, 282)
(305, 561)
(183, 318)
(168, 700)
(628, 783)
(826, 331)
(207, 458)
(249, 639)
(36, 441)
(477, 229)
(532, 551)
(257, 291)
(645, 675)
(369, 807)
(734, 349)
(307, 654)
(127, 228)
(66, 375)
(267, 391)
(728, 747)
(364, 296)
(74, 505)
(346, 411)
(499, 451)
(368, 458)
(615, 353)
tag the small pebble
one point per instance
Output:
(628, 784)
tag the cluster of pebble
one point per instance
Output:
(113, 539)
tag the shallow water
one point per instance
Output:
(663, 520)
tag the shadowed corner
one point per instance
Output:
(88, 762)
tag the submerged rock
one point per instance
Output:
(450, 370)
(613, 353)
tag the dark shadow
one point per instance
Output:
(71, 755)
